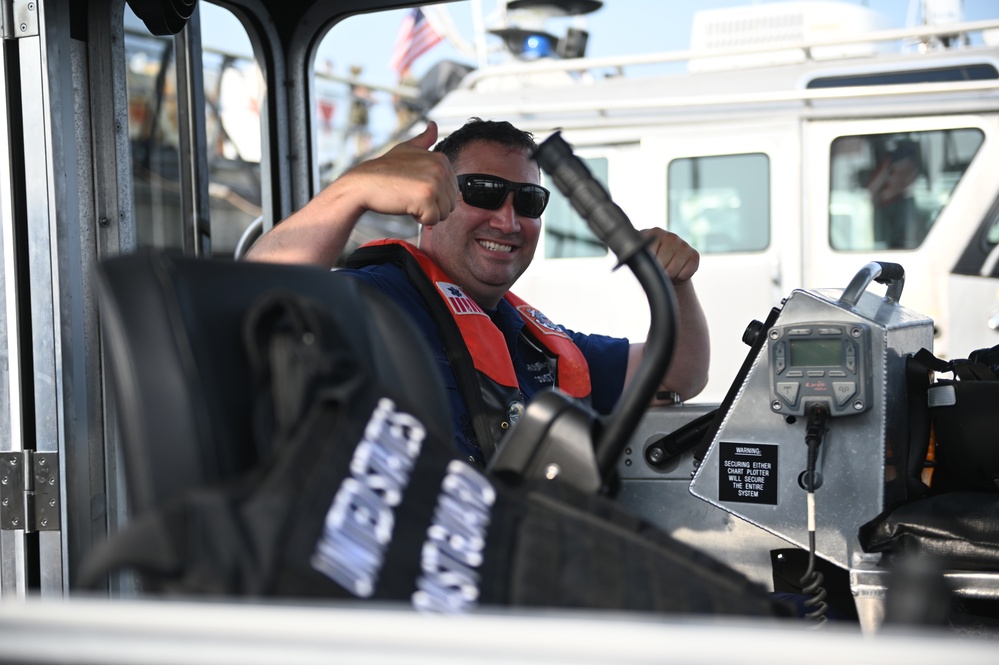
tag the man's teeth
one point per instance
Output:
(495, 246)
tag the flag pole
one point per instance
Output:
(479, 29)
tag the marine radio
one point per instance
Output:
(820, 362)
(832, 359)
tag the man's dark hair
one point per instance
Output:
(477, 129)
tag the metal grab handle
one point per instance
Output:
(881, 272)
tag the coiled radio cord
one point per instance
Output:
(812, 580)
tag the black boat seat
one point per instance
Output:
(180, 376)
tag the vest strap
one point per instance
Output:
(458, 355)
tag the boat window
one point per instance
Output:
(974, 72)
(363, 106)
(567, 235)
(232, 94)
(377, 76)
(887, 190)
(720, 203)
(992, 237)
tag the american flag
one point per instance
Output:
(416, 37)
(459, 302)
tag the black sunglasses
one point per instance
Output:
(489, 192)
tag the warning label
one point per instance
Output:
(748, 472)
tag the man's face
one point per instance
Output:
(485, 251)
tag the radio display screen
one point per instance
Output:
(815, 352)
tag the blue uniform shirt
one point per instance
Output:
(607, 357)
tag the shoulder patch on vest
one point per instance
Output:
(458, 301)
(541, 322)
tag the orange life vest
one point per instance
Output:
(483, 341)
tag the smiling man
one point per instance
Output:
(478, 197)
(487, 245)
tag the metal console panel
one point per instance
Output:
(754, 465)
(661, 496)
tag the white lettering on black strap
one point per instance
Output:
(453, 551)
(359, 522)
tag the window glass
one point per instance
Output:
(887, 190)
(234, 95)
(974, 72)
(991, 238)
(993, 235)
(232, 91)
(377, 77)
(720, 203)
(151, 79)
(567, 235)
(362, 106)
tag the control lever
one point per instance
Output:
(526, 449)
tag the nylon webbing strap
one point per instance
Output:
(975, 368)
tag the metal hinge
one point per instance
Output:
(19, 18)
(29, 491)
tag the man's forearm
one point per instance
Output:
(688, 372)
(315, 235)
(407, 180)
(688, 369)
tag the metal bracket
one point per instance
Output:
(29, 491)
(19, 18)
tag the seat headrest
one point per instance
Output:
(179, 372)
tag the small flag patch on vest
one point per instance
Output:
(458, 301)
(542, 322)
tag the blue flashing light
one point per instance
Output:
(536, 46)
